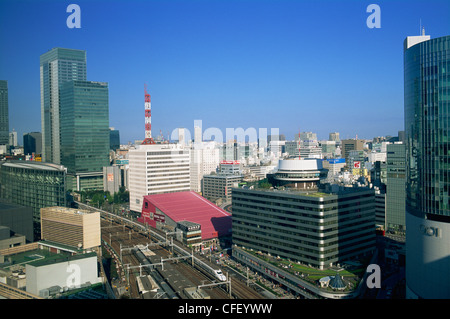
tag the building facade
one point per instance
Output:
(56, 67)
(427, 133)
(299, 173)
(156, 169)
(205, 159)
(73, 227)
(35, 185)
(219, 186)
(32, 143)
(395, 188)
(4, 113)
(84, 118)
(316, 228)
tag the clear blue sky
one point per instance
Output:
(293, 65)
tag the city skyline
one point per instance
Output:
(291, 65)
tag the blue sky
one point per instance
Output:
(293, 65)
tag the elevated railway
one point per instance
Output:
(175, 266)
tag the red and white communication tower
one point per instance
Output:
(148, 119)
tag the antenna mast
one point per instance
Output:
(148, 119)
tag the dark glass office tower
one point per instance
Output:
(4, 115)
(84, 132)
(427, 120)
(56, 67)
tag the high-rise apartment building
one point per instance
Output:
(84, 137)
(427, 133)
(4, 114)
(157, 169)
(57, 66)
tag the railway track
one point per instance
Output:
(118, 235)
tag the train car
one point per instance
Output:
(219, 275)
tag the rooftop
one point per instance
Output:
(34, 165)
(189, 206)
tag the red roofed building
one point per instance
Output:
(172, 208)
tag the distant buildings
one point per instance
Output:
(427, 109)
(156, 169)
(32, 143)
(112, 179)
(350, 145)
(395, 188)
(4, 113)
(114, 139)
(299, 173)
(205, 159)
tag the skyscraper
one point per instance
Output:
(4, 115)
(427, 112)
(56, 67)
(84, 115)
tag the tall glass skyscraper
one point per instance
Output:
(427, 120)
(56, 67)
(84, 116)
(4, 115)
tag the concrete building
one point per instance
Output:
(219, 186)
(427, 108)
(395, 188)
(10, 239)
(298, 173)
(33, 184)
(71, 227)
(76, 271)
(309, 145)
(334, 166)
(320, 229)
(157, 169)
(350, 145)
(112, 179)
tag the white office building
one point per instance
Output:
(156, 169)
(205, 158)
